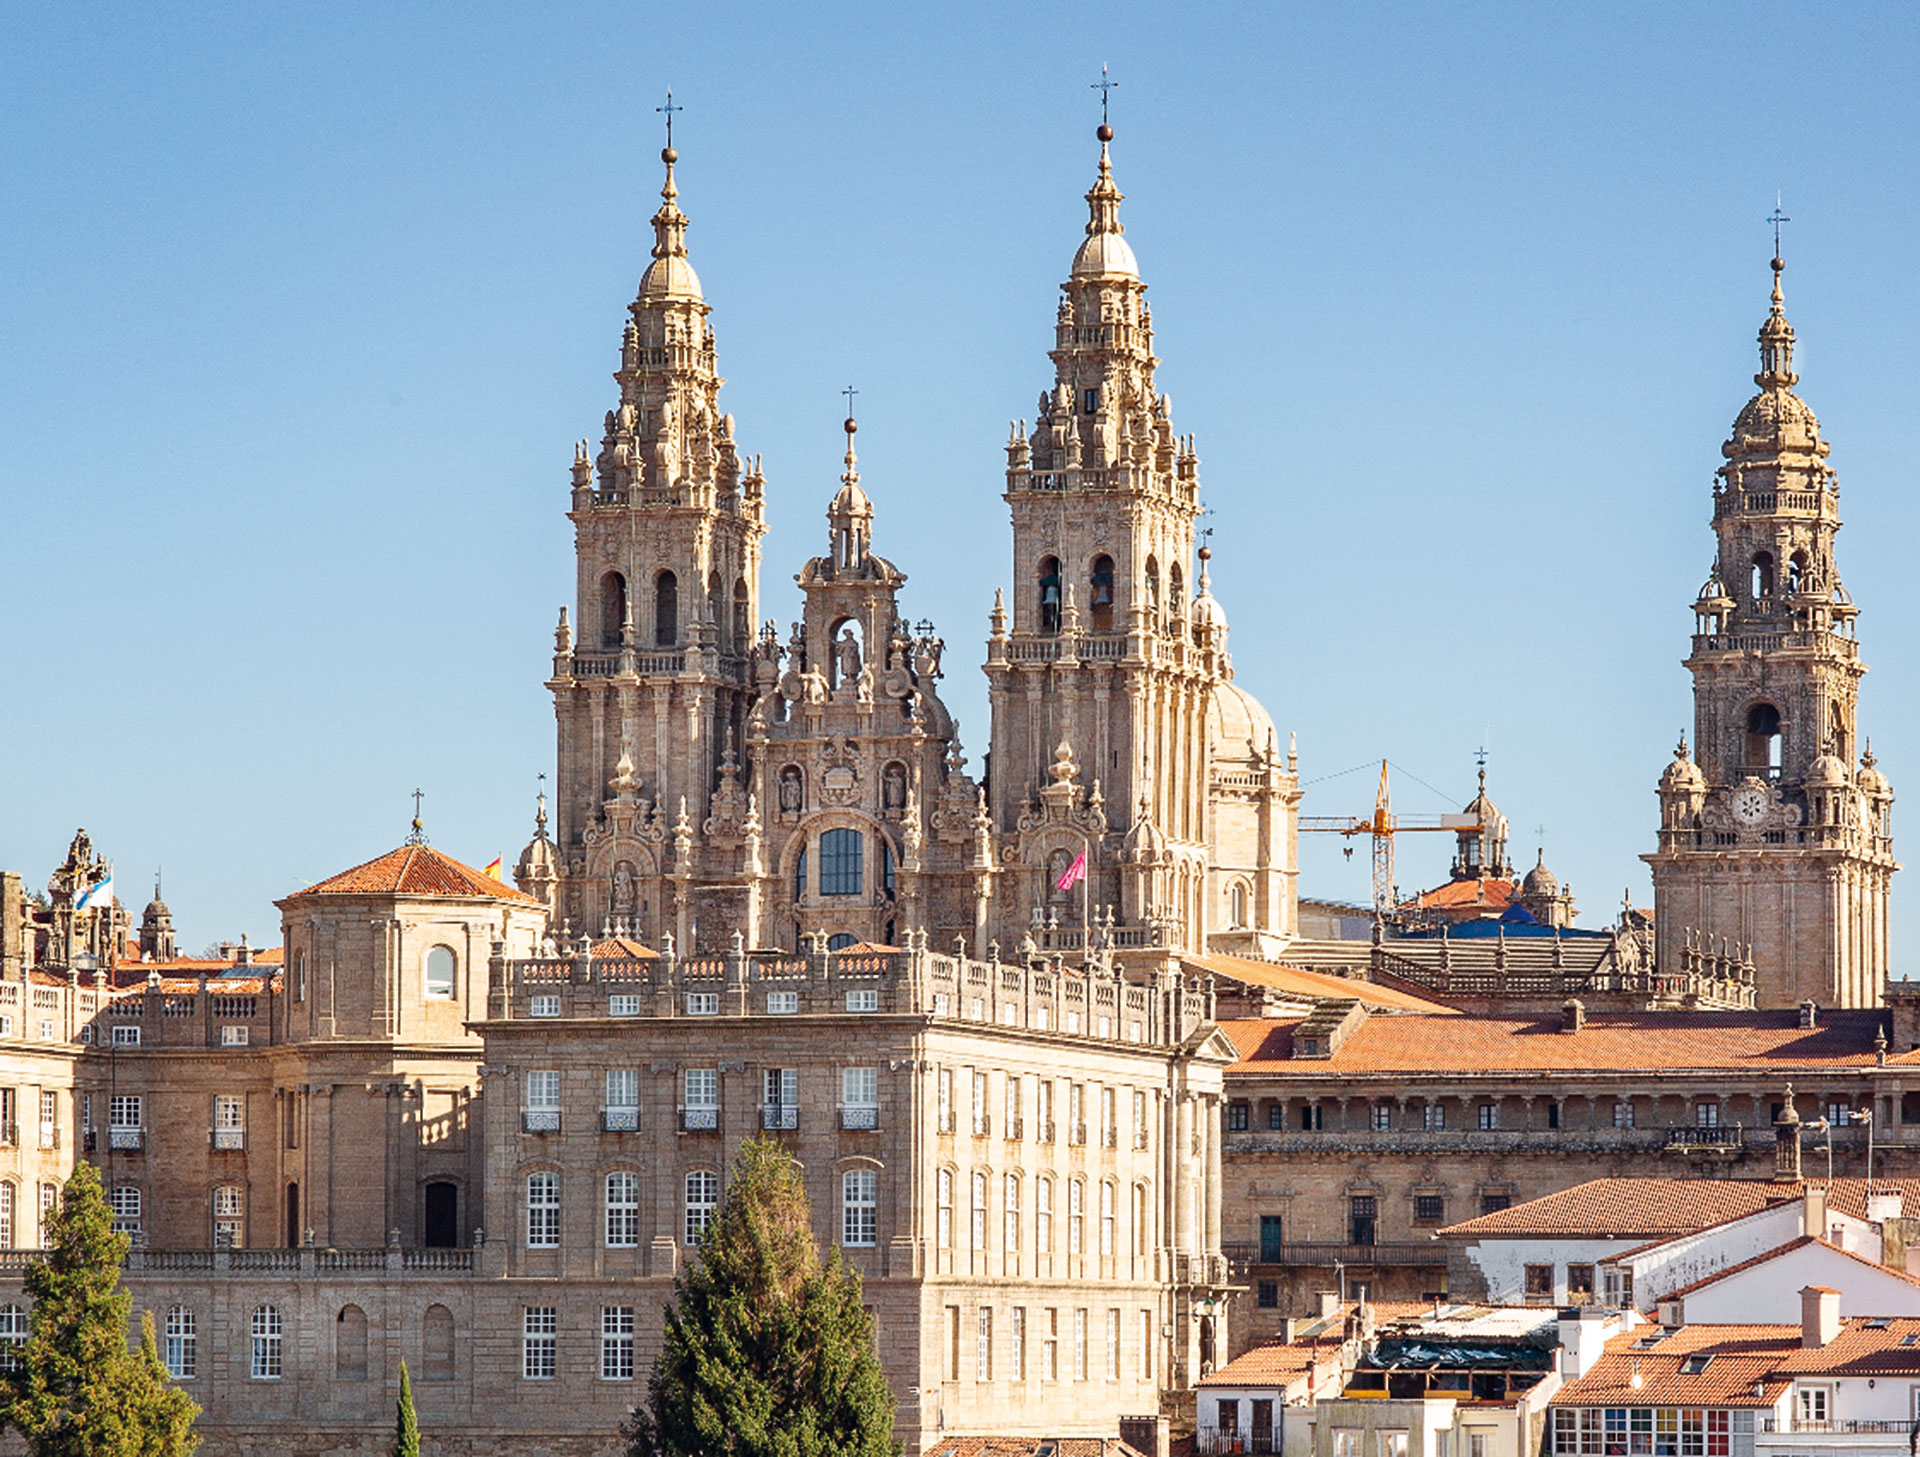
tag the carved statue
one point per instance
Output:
(893, 788)
(847, 652)
(790, 790)
(623, 887)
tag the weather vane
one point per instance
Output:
(669, 109)
(1776, 218)
(1103, 86)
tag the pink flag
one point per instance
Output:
(1073, 874)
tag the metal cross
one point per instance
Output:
(417, 797)
(669, 109)
(849, 392)
(1103, 86)
(1776, 219)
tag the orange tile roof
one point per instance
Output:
(1030, 1447)
(1487, 891)
(182, 986)
(1629, 1208)
(616, 946)
(1319, 985)
(1750, 1043)
(415, 870)
(1859, 1351)
(1281, 1363)
(1743, 1356)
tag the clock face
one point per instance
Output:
(1750, 805)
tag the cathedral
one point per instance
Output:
(717, 776)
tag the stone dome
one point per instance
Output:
(1683, 776)
(1105, 255)
(1827, 773)
(1774, 420)
(1870, 781)
(1540, 881)
(1239, 730)
(671, 277)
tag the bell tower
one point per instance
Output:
(650, 675)
(1770, 838)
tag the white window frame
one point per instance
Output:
(859, 1208)
(622, 1224)
(182, 1350)
(702, 1200)
(616, 1343)
(547, 1004)
(543, 1210)
(623, 1004)
(268, 1332)
(783, 1004)
(539, 1342)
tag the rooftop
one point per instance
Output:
(416, 870)
(1644, 1367)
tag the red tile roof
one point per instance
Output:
(1030, 1447)
(1860, 1351)
(1742, 1356)
(416, 870)
(1319, 985)
(1629, 1209)
(619, 946)
(1747, 1043)
(1281, 1363)
(1486, 892)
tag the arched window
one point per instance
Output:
(613, 608)
(1153, 592)
(623, 1211)
(840, 941)
(886, 865)
(440, 974)
(717, 608)
(840, 869)
(13, 1335)
(1763, 738)
(1238, 914)
(859, 1201)
(6, 1216)
(666, 610)
(436, 1344)
(1010, 1232)
(1796, 572)
(267, 1332)
(1049, 594)
(1076, 1216)
(703, 1195)
(350, 1344)
(543, 1211)
(1762, 583)
(1100, 593)
(800, 874)
(182, 1353)
(1176, 596)
(742, 627)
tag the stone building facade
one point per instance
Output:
(1776, 831)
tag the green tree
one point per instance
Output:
(406, 1436)
(768, 1350)
(75, 1389)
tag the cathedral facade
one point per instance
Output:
(717, 775)
(1776, 836)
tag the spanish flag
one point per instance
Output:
(493, 869)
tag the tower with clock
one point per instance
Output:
(1776, 838)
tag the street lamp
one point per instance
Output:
(1822, 1125)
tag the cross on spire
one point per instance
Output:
(1103, 86)
(1777, 217)
(849, 392)
(669, 109)
(419, 834)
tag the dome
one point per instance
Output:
(1827, 773)
(1775, 419)
(850, 500)
(1871, 781)
(1208, 613)
(1238, 728)
(1683, 776)
(670, 278)
(1105, 255)
(1540, 881)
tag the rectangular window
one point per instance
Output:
(233, 1036)
(267, 1334)
(616, 1343)
(1429, 1209)
(1110, 1120)
(1706, 1114)
(543, 1006)
(1272, 1232)
(229, 1216)
(840, 862)
(1346, 1442)
(1076, 1113)
(1814, 1403)
(1489, 1115)
(1043, 1217)
(543, 1211)
(1106, 1221)
(1579, 1284)
(1043, 1113)
(1313, 1118)
(703, 1004)
(622, 1111)
(783, 1004)
(623, 1211)
(703, 1196)
(1076, 1215)
(1113, 1345)
(1380, 1117)
(1434, 1117)
(49, 1120)
(183, 1341)
(1050, 1344)
(702, 1107)
(539, 1329)
(859, 1097)
(1139, 1118)
(123, 1036)
(1623, 1115)
(943, 1098)
(1539, 1284)
(1080, 1345)
(981, 1123)
(1839, 1112)
(859, 1197)
(983, 1345)
(624, 1004)
(864, 999)
(1493, 1203)
(229, 1121)
(1017, 1344)
(979, 1224)
(1010, 1123)
(542, 1113)
(1393, 1444)
(943, 1204)
(1268, 1294)
(1010, 1231)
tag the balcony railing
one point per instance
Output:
(1326, 1255)
(229, 1140)
(126, 1140)
(699, 1120)
(1210, 1441)
(540, 1120)
(946, 1121)
(781, 1116)
(1711, 1137)
(982, 1125)
(1839, 1425)
(620, 1120)
(1016, 1129)
(860, 1115)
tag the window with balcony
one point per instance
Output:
(49, 1120)
(981, 1123)
(1623, 1115)
(1362, 1219)
(943, 1098)
(229, 1122)
(1271, 1239)
(1011, 1122)
(780, 1105)
(622, 1111)
(859, 1097)
(542, 1111)
(701, 1109)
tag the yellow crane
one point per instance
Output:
(1383, 824)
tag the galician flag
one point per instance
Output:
(1074, 873)
(97, 895)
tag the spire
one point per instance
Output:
(670, 275)
(1104, 251)
(1776, 340)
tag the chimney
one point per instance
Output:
(1819, 1316)
(1809, 1013)
(1813, 1211)
(1573, 1015)
(1151, 1435)
(1884, 1204)
(1329, 1302)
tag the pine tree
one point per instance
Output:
(406, 1437)
(75, 1389)
(768, 1350)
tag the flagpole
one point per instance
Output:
(1086, 892)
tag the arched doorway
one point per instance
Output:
(442, 1208)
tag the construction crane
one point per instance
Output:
(1383, 824)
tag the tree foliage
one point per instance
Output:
(75, 1389)
(768, 1351)
(406, 1435)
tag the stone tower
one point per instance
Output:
(1770, 838)
(1116, 724)
(651, 691)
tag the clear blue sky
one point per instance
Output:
(303, 307)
